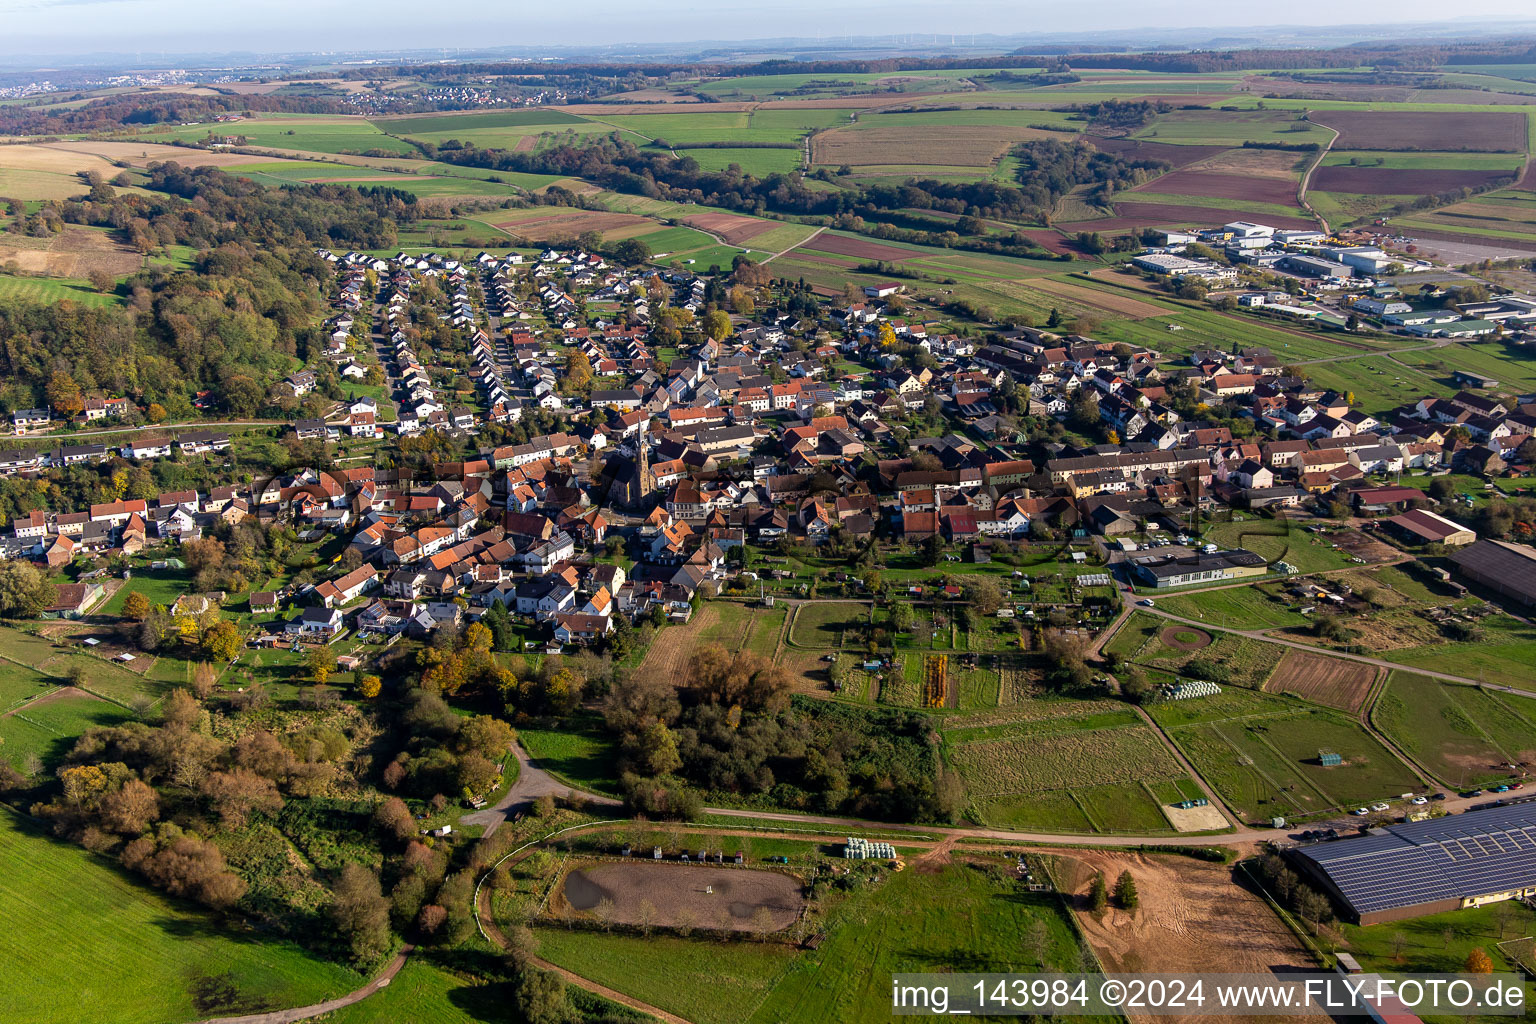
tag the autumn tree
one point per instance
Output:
(1478, 962)
(369, 686)
(394, 818)
(657, 750)
(24, 591)
(318, 662)
(539, 996)
(130, 810)
(578, 372)
(222, 641)
(64, 395)
(485, 735)
(186, 866)
(717, 324)
(745, 679)
(136, 607)
(235, 795)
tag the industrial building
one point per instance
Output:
(1508, 569)
(1200, 567)
(1421, 526)
(1428, 867)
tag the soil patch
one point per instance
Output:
(1185, 638)
(841, 245)
(1122, 305)
(1332, 681)
(733, 228)
(1218, 185)
(1399, 181)
(1425, 130)
(1191, 918)
(668, 894)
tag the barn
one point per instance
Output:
(1427, 867)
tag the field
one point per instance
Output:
(927, 917)
(1262, 755)
(942, 145)
(1315, 677)
(1217, 185)
(1400, 181)
(670, 894)
(822, 624)
(1111, 302)
(46, 728)
(1231, 128)
(1064, 773)
(466, 122)
(313, 134)
(1240, 661)
(1503, 652)
(581, 752)
(50, 290)
(1191, 917)
(73, 253)
(1409, 130)
(73, 920)
(1463, 735)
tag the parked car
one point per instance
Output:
(1360, 812)
(1378, 806)
(1147, 603)
(1419, 801)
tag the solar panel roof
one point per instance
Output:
(1470, 854)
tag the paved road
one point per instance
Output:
(532, 783)
(299, 1013)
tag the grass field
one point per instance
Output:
(915, 920)
(581, 753)
(311, 134)
(52, 290)
(48, 729)
(1462, 734)
(93, 945)
(1261, 753)
(1503, 652)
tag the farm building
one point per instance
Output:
(1427, 867)
(1421, 526)
(1201, 567)
(1509, 569)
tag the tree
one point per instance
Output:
(394, 819)
(485, 735)
(360, 913)
(658, 750)
(130, 810)
(24, 591)
(578, 372)
(1098, 893)
(539, 997)
(101, 280)
(1478, 962)
(235, 795)
(222, 642)
(1125, 891)
(136, 607)
(717, 324)
(64, 395)
(984, 594)
(369, 686)
(319, 663)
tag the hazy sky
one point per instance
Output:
(125, 26)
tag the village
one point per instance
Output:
(676, 457)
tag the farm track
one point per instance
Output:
(1306, 177)
(299, 1013)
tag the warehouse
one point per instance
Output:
(1421, 526)
(1508, 569)
(1427, 867)
(1200, 567)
